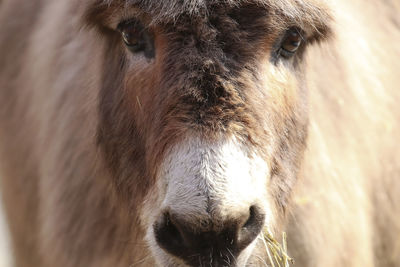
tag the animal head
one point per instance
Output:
(203, 118)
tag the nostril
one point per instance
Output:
(252, 217)
(251, 228)
(167, 234)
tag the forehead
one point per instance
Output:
(312, 14)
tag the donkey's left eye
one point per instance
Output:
(290, 43)
(136, 38)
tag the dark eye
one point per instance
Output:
(290, 43)
(136, 38)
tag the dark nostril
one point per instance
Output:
(167, 234)
(254, 215)
(251, 228)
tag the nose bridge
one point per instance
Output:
(215, 182)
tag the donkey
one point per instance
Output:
(176, 133)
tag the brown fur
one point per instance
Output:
(82, 132)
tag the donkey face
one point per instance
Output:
(203, 117)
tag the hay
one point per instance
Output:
(277, 253)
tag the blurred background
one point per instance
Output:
(5, 258)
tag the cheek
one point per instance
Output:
(276, 100)
(140, 86)
(282, 103)
(282, 89)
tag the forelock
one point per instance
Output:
(307, 13)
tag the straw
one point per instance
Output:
(277, 253)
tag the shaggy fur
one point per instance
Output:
(85, 125)
(312, 13)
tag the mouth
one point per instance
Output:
(266, 250)
(221, 246)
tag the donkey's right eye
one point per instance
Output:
(136, 38)
(132, 41)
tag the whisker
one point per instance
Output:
(233, 256)
(194, 255)
(148, 256)
(262, 260)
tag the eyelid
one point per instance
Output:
(122, 15)
(125, 23)
(299, 30)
